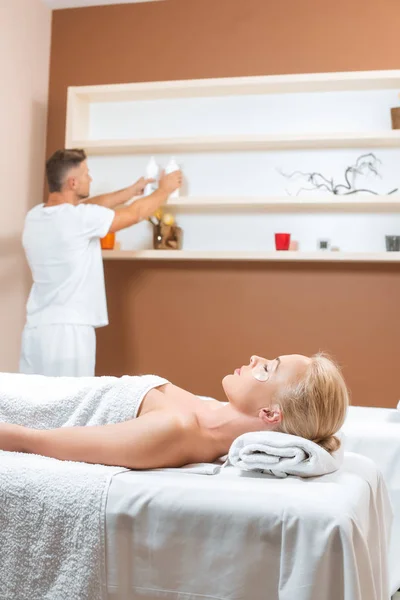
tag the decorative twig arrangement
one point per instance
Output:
(366, 163)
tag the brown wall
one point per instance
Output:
(193, 322)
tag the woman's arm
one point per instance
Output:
(155, 440)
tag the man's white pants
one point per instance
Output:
(58, 350)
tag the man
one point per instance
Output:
(61, 240)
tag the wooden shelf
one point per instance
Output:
(356, 203)
(384, 139)
(227, 86)
(326, 256)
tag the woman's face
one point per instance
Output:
(253, 387)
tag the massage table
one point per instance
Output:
(234, 535)
(177, 535)
(375, 433)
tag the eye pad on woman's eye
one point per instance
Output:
(260, 373)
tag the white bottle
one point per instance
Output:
(152, 172)
(170, 168)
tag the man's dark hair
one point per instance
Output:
(58, 165)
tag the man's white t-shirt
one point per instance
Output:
(62, 245)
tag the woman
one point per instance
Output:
(170, 427)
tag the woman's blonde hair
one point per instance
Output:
(315, 408)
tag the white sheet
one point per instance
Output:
(375, 432)
(245, 536)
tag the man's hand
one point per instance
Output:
(139, 186)
(119, 198)
(143, 208)
(171, 182)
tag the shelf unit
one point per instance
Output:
(326, 256)
(81, 98)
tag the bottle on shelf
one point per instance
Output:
(170, 168)
(152, 172)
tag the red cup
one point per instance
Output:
(282, 241)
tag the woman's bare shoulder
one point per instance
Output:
(177, 394)
(170, 388)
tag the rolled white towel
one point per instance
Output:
(281, 454)
(196, 468)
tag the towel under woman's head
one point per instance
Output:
(281, 454)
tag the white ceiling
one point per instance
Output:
(56, 4)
